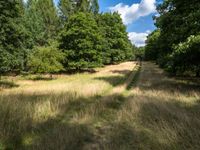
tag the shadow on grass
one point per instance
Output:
(41, 78)
(75, 71)
(122, 78)
(124, 136)
(134, 81)
(159, 125)
(174, 121)
(113, 80)
(54, 121)
(7, 84)
(158, 81)
(123, 72)
(189, 80)
(20, 130)
(61, 136)
(116, 80)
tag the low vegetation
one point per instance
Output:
(118, 107)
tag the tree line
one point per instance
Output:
(175, 44)
(40, 37)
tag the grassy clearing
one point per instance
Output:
(104, 110)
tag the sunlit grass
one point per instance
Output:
(108, 109)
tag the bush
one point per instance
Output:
(46, 60)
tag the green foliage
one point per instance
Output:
(94, 7)
(66, 9)
(152, 46)
(116, 47)
(139, 52)
(81, 42)
(41, 21)
(87, 39)
(70, 7)
(185, 56)
(82, 5)
(48, 12)
(46, 60)
(34, 24)
(172, 44)
(4, 61)
(12, 36)
(178, 20)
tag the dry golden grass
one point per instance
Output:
(102, 111)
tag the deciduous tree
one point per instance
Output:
(81, 42)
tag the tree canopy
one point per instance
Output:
(175, 42)
(86, 38)
(12, 36)
(81, 42)
(117, 46)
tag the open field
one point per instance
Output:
(118, 107)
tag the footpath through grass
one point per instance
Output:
(119, 107)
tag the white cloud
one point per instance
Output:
(148, 31)
(135, 11)
(138, 39)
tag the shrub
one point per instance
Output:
(46, 60)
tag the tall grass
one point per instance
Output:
(98, 111)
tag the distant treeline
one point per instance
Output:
(39, 37)
(175, 45)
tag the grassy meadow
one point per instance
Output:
(119, 107)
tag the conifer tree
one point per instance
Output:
(94, 6)
(48, 12)
(12, 36)
(66, 8)
(35, 25)
(69, 7)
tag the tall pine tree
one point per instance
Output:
(12, 36)
(66, 9)
(34, 24)
(94, 6)
(69, 7)
(48, 12)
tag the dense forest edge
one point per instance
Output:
(175, 44)
(39, 37)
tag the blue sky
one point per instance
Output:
(136, 15)
(142, 24)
